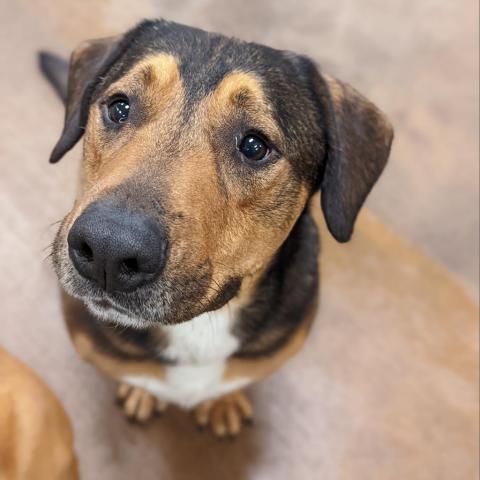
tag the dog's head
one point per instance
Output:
(200, 154)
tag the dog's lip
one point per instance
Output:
(106, 303)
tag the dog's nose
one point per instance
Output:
(117, 249)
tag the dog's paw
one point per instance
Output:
(224, 415)
(137, 404)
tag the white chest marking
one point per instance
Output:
(200, 348)
(204, 339)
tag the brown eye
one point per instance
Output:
(253, 148)
(118, 110)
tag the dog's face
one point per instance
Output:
(200, 154)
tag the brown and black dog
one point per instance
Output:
(191, 231)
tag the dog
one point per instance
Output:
(35, 432)
(189, 259)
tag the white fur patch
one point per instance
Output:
(200, 348)
(204, 339)
(187, 386)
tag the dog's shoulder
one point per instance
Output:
(284, 295)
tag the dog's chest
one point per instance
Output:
(199, 349)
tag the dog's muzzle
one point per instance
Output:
(117, 249)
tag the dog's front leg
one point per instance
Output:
(137, 403)
(224, 415)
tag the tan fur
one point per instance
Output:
(91, 352)
(110, 366)
(138, 404)
(35, 433)
(105, 167)
(259, 368)
(235, 241)
(225, 415)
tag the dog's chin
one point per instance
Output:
(172, 302)
(140, 312)
(109, 312)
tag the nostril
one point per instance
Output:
(85, 251)
(130, 266)
(116, 249)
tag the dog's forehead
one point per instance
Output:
(200, 61)
(203, 58)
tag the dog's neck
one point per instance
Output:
(283, 295)
(276, 305)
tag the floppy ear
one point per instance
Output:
(358, 140)
(88, 64)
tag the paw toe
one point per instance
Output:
(137, 404)
(225, 415)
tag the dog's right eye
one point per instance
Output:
(118, 110)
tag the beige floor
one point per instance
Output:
(386, 387)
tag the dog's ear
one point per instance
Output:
(88, 65)
(358, 138)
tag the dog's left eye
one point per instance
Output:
(118, 110)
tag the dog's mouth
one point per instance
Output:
(107, 309)
(176, 295)
(107, 304)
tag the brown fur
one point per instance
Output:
(260, 368)
(90, 349)
(35, 433)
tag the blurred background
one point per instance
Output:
(418, 61)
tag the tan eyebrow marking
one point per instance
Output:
(160, 70)
(241, 92)
(239, 87)
(150, 74)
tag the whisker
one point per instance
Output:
(48, 257)
(50, 245)
(55, 223)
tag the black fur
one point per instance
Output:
(55, 69)
(284, 294)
